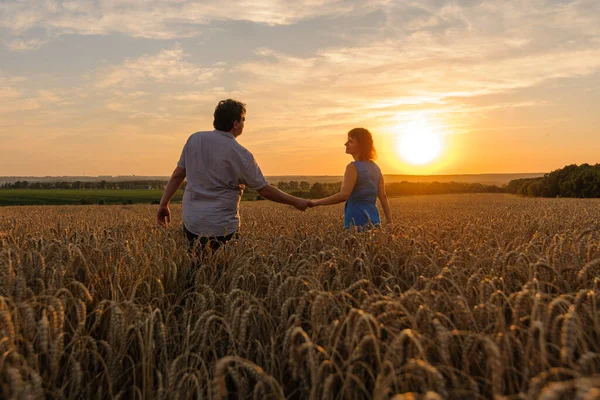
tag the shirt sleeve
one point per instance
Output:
(252, 176)
(181, 162)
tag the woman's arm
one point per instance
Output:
(384, 201)
(347, 186)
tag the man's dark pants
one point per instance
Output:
(213, 242)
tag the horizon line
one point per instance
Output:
(267, 175)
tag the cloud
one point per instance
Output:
(21, 97)
(168, 66)
(431, 57)
(15, 99)
(159, 19)
(355, 97)
(468, 57)
(21, 45)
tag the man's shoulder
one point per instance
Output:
(202, 133)
(204, 137)
(244, 151)
(224, 142)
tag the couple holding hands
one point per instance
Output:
(217, 169)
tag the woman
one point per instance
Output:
(363, 184)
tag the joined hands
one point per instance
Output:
(303, 204)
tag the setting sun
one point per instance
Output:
(419, 142)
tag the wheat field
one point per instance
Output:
(467, 296)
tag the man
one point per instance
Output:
(218, 168)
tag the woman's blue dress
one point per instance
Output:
(361, 207)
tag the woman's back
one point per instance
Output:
(367, 182)
(361, 207)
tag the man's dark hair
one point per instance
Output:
(227, 112)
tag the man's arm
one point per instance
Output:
(272, 193)
(252, 177)
(163, 215)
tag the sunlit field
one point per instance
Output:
(467, 296)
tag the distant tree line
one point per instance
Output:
(318, 190)
(306, 190)
(297, 188)
(139, 184)
(581, 181)
(414, 188)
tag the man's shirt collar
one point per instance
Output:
(228, 134)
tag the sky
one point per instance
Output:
(106, 87)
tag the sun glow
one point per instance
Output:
(419, 142)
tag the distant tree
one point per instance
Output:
(317, 190)
(534, 188)
(20, 185)
(417, 188)
(304, 185)
(570, 181)
(332, 187)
